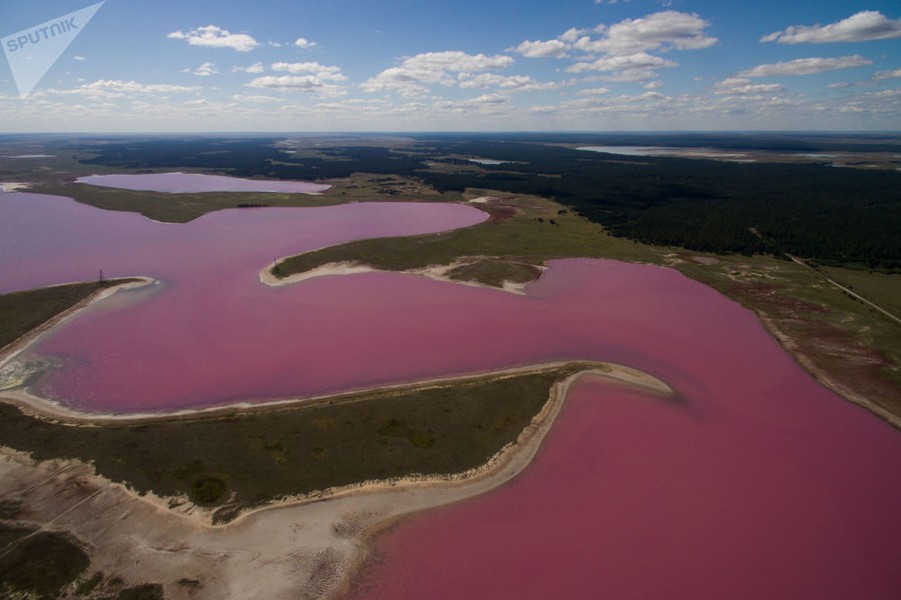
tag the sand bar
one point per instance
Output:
(304, 546)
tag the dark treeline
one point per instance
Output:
(834, 216)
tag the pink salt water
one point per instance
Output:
(179, 183)
(752, 482)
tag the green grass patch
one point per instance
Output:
(20, 312)
(882, 289)
(177, 208)
(401, 429)
(523, 229)
(495, 272)
(250, 457)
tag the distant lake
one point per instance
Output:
(487, 161)
(666, 151)
(181, 183)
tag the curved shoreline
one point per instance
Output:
(337, 523)
(434, 272)
(49, 409)
(16, 347)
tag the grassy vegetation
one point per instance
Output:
(855, 345)
(179, 208)
(246, 458)
(880, 288)
(523, 229)
(20, 312)
(495, 272)
(62, 561)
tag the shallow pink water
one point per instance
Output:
(632, 498)
(755, 483)
(179, 183)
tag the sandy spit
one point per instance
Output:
(301, 547)
(436, 272)
(8, 353)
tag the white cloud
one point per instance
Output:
(887, 74)
(653, 85)
(658, 31)
(594, 91)
(806, 66)
(742, 85)
(326, 73)
(417, 72)
(110, 88)
(630, 76)
(79, 58)
(639, 60)
(255, 98)
(254, 68)
(861, 27)
(456, 61)
(135, 87)
(572, 34)
(554, 48)
(297, 83)
(512, 83)
(215, 37)
(204, 70)
(304, 43)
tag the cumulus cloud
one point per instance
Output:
(806, 66)
(417, 72)
(304, 43)
(112, 88)
(630, 76)
(204, 70)
(254, 98)
(254, 68)
(864, 26)
(743, 85)
(212, 36)
(887, 74)
(323, 72)
(297, 83)
(662, 31)
(626, 46)
(594, 92)
(550, 48)
(511, 83)
(639, 60)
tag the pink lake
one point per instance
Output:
(754, 482)
(180, 183)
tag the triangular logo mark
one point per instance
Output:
(31, 52)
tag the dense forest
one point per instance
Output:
(835, 216)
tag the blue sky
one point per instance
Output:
(347, 65)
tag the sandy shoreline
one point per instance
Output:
(8, 353)
(436, 272)
(302, 546)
